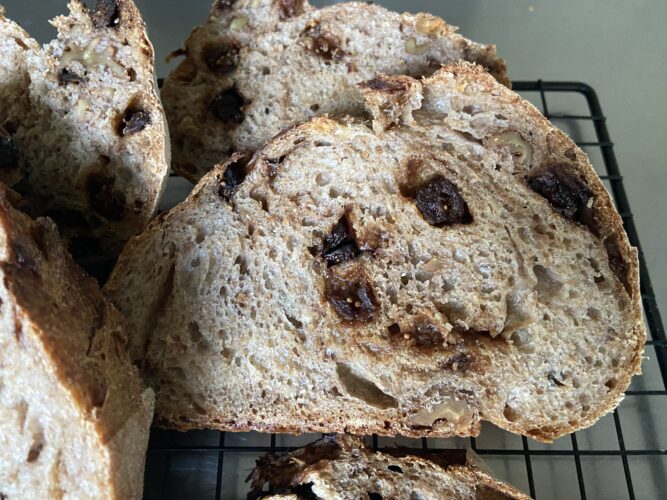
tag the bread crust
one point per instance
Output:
(473, 136)
(77, 342)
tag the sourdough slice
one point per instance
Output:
(464, 264)
(74, 417)
(84, 120)
(341, 467)
(256, 67)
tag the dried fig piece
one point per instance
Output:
(340, 245)
(68, 76)
(227, 106)
(232, 179)
(323, 43)
(351, 294)
(441, 204)
(460, 362)
(427, 336)
(290, 8)
(221, 58)
(9, 153)
(106, 14)
(567, 194)
(134, 121)
(103, 197)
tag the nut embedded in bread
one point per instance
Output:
(343, 467)
(458, 260)
(74, 416)
(257, 67)
(86, 126)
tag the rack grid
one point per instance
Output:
(624, 455)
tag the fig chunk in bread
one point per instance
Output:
(256, 67)
(459, 260)
(87, 127)
(342, 467)
(74, 416)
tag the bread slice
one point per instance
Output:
(464, 264)
(342, 467)
(84, 120)
(256, 67)
(74, 416)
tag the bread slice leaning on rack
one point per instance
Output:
(74, 416)
(343, 467)
(83, 127)
(256, 67)
(457, 260)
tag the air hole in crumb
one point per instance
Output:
(193, 330)
(132, 74)
(322, 178)
(35, 450)
(594, 313)
(266, 71)
(261, 198)
(510, 414)
(242, 263)
(394, 329)
(315, 108)
(295, 322)
(611, 383)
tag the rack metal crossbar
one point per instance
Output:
(179, 455)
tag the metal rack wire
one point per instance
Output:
(213, 465)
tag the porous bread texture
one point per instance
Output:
(256, 67)
(251, 311)
(74, 416)
(341, 467)
(89, 129)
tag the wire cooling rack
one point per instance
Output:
(622, 456)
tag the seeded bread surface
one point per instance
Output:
(256, 67)
(74, 415)
(455, 260)
(87, 127)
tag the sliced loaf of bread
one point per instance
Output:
(256, 67)
(341, 467)
(74, 416)
(455, 260)
(83, 121)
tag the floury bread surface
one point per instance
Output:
(456, 260)
(256, 67)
